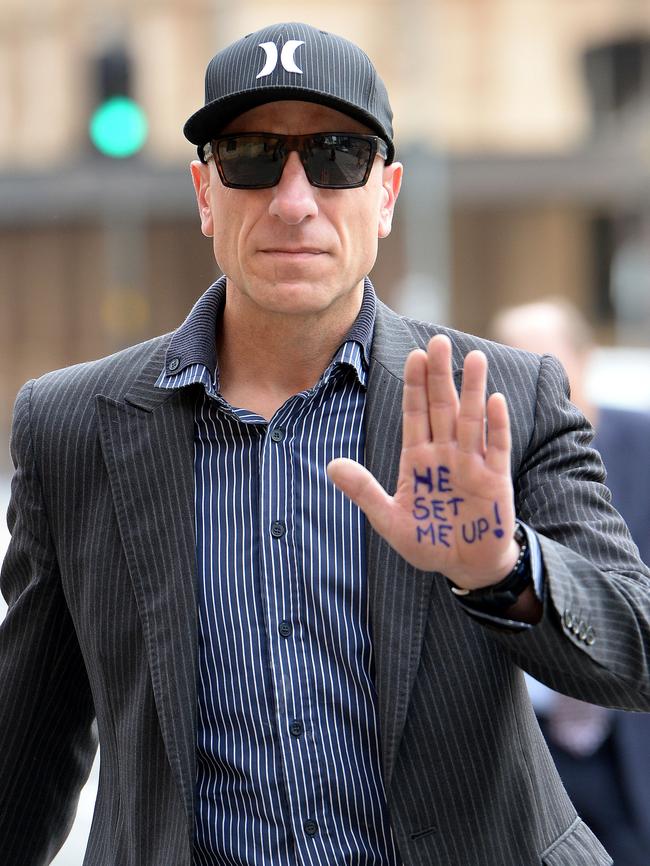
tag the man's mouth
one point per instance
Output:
(293, 251)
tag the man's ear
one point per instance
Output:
(201, 179)
(391, 183)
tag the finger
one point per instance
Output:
(416, 429)
(499, 440)
(471, 415)
(443, 399)
(364, 490)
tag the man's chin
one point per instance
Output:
(299, 297)
(296, 299)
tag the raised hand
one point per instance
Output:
(453, 510)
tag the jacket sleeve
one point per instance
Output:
(47, 736)
(593, 641)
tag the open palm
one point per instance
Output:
(453, 509)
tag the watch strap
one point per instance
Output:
(499, 597)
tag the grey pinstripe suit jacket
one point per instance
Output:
(99, 577)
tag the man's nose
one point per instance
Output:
(293, 197)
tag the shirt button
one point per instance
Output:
(310, 827)
(277, 529)
(277, 435)
(285, 628)
(296, 728)
(173, 364)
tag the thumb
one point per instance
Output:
(364, 490)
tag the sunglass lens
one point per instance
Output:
(338, 160)
(250, 160)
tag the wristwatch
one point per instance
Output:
(499, 597)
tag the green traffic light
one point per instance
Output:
(118, 128)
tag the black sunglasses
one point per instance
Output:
(333, 160)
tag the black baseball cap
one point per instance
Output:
(291, 61)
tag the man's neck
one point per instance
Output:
(265, 358)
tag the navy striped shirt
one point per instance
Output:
(287, 743)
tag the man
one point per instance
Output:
(274, 680)
(603, 756)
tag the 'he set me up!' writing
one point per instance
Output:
(436, 514)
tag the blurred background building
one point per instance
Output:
(526, 142)
(524, 126)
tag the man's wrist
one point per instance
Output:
(501, 597)
(504, 568)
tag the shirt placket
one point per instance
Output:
(281, 584)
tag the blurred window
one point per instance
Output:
(618, 76)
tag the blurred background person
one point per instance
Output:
(603, 756)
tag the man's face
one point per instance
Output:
(296, 248)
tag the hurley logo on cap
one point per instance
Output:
(286, 57)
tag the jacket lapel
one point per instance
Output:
(147, 442)
(399, 595)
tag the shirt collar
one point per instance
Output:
(195, 341)
(364, 325)
(193, 345)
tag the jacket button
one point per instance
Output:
(277, 529)
(590, 637)
(582, 633)
(567, 618)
